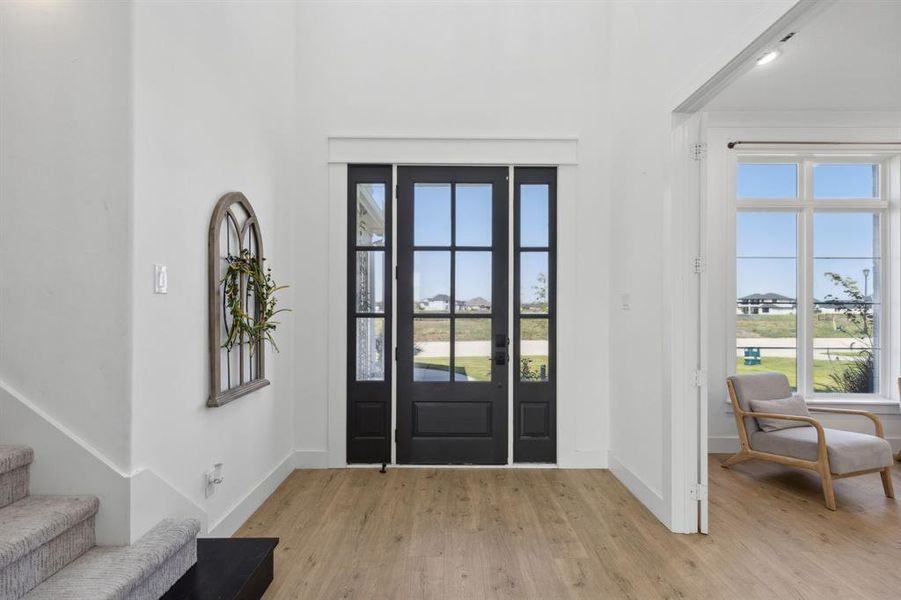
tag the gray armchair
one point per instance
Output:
(833, 453)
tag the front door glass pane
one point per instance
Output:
(431, 349)
(472, 350)
(432, 214)
(370, 214)
(370, 349)
(431, 281)
(534, 225)
(533, 282)
(473, 214)
(473, 282)
(533, 350)
(370, 281)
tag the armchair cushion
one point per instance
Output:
(758, 386)
(848, 451)
(793, 405)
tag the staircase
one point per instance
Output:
(48, 551)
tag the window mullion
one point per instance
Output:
(805, 290)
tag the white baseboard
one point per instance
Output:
(311, 459)
(727, 444)
(648, 496)
(583, 460)
(241, 510)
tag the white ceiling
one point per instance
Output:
(848, 58)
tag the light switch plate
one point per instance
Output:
(160, 279)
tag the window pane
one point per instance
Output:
(845, 353)
(533, 282)
(846, 181)
(776, 181)
(473, 214)
(431, 349)
(845, 235)
(766, 287)
(533, 350)
(761, 359)
(371, 349)
(431, 281)
(432, 214)
(371, 281)
(473, 282)
(846, 289)
(370, 214)
(534, 223)
(771, 234)
(472, 350)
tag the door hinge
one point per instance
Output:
(395, 271)
(698, 264)
(395, 354)
(395, 435)
(397, 191)
(697, 492)
(699, 378)
(698, 151)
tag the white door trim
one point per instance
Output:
(559, 151)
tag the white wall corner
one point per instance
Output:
(311, 459)
(647, 495)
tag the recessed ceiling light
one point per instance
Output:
(767, 57)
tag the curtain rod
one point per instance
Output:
(732, 145)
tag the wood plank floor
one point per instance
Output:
(549, 534)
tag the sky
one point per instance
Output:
(766, 242)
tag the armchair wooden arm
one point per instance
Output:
(877, 422)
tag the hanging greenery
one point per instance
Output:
(245, 326)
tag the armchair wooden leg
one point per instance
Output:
(887, 485)
(740, 457)
(828, 491)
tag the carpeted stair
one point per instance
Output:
(47, 548)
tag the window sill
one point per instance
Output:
(876, 405)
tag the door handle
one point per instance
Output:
(501, 357)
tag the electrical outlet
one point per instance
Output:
(212, 478)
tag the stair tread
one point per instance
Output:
(14, 456)
(33, 521)
(113, 571)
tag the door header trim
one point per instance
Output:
(497, 151)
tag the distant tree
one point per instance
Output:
(540, 288)
(856, 376)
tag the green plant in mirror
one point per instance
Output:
(245, 275)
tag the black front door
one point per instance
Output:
(452, 310)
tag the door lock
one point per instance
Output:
(500, 357)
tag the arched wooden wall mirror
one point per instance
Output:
(237, 363)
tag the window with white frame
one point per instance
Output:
(810, 271)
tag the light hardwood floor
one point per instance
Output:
(549, 534)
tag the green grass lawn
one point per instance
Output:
(477, 367)
(472, 330)
(788, 366)
(776, 326)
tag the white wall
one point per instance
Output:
(214, 109)
(661, 53)
(457, 70)
(65, 217)
(785, 125)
